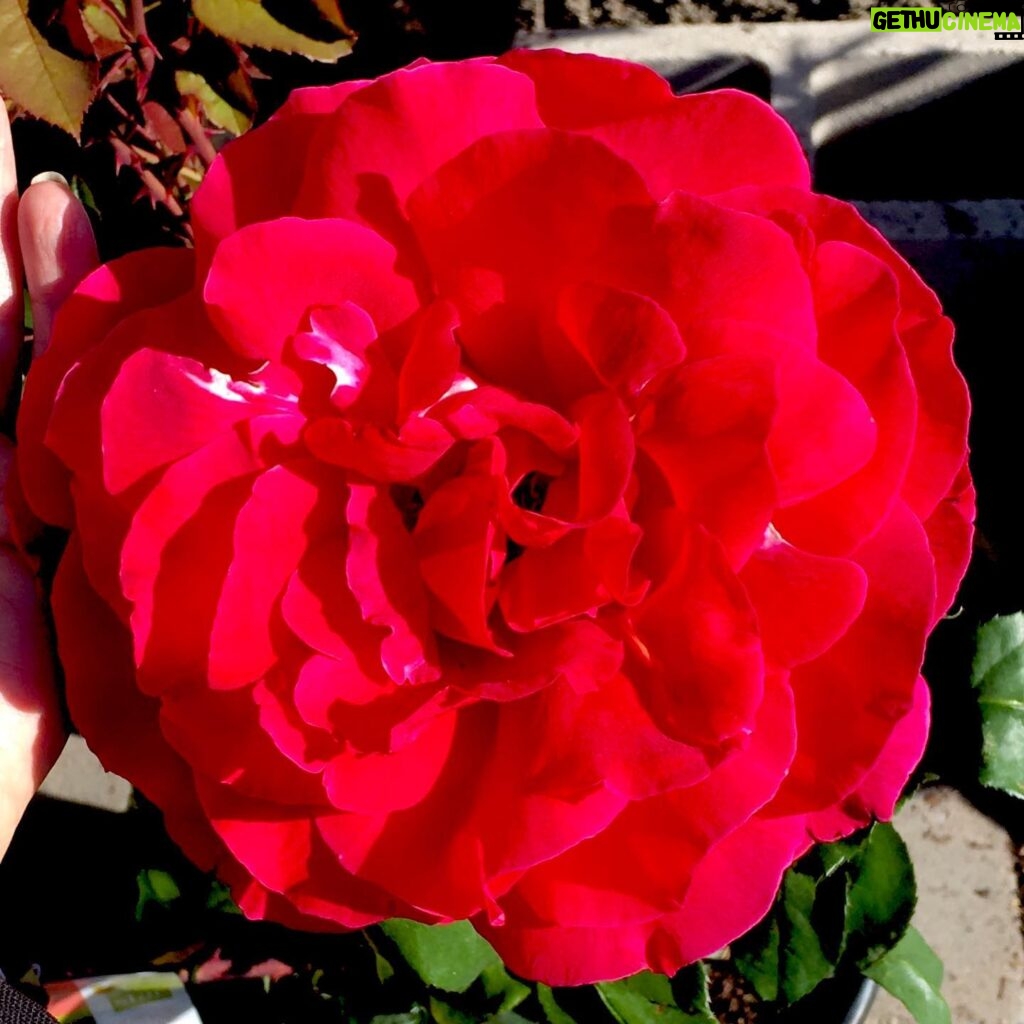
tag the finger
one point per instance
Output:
(57, 249)
(11, 333)
(31, 724)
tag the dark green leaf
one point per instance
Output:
(498, 983)
(756, 956)
(998, 675)
(645, 998)
(155, 887)
(449, 957)
(219, 898)
(416, 1015)
(554, 1013)
(442, 1013)
(913, 973)
(384, 969)
(690, 988)
(803, 962)
(881, 896)
(835, 855)
(80, 187)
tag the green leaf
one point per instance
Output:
(499, 983)
(39, 78)
(803, 962)
(384, 969)
(690, 987)
(834, 856)
(417, 1015)
(998, 675)
(216, 108)
(446, 956)
(442, 1013)
(913, 974)
(248, 23)
(155, 887)
(80, 187)
(100, 23)
(881, 896)
(645, 998)
(554, 1013)
(219, 898)
(756, 956)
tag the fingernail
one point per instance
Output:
(50, 176)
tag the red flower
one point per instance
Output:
(528, 503)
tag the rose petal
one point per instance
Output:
(270, 538)
(378, 146)
(857, 309)
(718, 140)
(231, 197)
(706, 436)
(842, 733)
(640, 866)
(950, 529)
(579, 91)
(876, 796)
(176, 554)
(100, 302)
(805, 603)
(375, 784)
(943, 410)
(702, 684)
(732, 888)
(545, 586)
(161, 407)
(265, 277)
(813, 401)
(625, 337)
(454, 538)
(688, 253)
(481, 248)
(244, 756)
(381, 571)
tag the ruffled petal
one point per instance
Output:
(231, 196)
(100, 302)
(702, 684)
(805, 603)
(841, 731)
(265, 278)
(378, 146)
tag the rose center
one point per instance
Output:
(409, 502)
(531, 491)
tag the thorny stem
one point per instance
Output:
(157, 190)
(148, 52)
(139, 17)
(204, 147)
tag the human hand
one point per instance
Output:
(56, 251)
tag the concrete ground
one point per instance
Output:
(967, 909)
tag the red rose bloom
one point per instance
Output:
(527, 503)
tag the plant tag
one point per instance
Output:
(152, 997)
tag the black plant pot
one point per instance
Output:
(858, 1012)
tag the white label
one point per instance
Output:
(153, 997)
